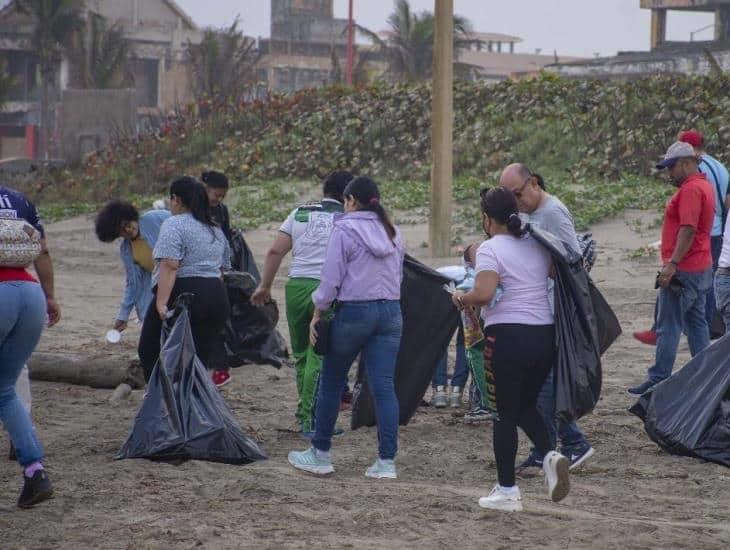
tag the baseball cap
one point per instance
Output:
(676, 151)
(693, 137)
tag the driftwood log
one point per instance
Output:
(83, 370)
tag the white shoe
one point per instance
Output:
(507, 500)
(381, 469)
(557, 476)
(455, 397)
(312, 461)
(439, 399)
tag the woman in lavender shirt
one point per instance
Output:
(362, 273)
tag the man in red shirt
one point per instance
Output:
(686, 277)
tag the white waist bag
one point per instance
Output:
(20, 243)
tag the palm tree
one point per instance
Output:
(102, 61)
(57, 21)
(6, 81)
(408, 47)
(224, 64)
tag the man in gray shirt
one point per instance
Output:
(549, 214)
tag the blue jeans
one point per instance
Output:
(21, 324)
(722, 298)
(373, 328)
(570, 436)
(681, 311)
(460, 371)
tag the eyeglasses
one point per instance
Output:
(518, 193)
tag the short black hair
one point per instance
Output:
(335, 183)
(110, 219)
(216, 180)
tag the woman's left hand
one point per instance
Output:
(313, 327)
(456, 298)
(161, 310)
(313, 332)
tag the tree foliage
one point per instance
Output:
(57, 24)
(103, 57)
(6, 81)
(408, 47)
(224, 64)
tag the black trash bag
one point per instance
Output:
(607, 324)
(429, 322)
(251, 335)
(578, 374)
(183, 415)
(717, 326)
(241, 256)
(689, 413)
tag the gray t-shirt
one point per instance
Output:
(202, 250)
(553, 216)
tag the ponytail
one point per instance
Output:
(365, 191)
(194, 197)
(500, 205)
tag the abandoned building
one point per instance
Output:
(158, 31)
(692, 57)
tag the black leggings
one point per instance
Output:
(209, 312)
(519, 357)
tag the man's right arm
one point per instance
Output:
(281, 247)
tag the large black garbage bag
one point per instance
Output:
(578, 374)
(251, 335)
(241, 256)
(429, 322)
(689, 413)
(607, 324)
(183, 416)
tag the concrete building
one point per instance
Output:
(299, 52)
(692, 57)
(305, 37)
(158, 31)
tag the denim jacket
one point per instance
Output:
(138, 290)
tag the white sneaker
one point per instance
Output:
(381, 469)
(507, 500)
(557, 476)
(439, 399)
(312, 461)
(455, 397)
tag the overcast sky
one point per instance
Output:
(572, 27)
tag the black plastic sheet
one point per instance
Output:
(578, 375)
(183, 416)
(241, 256)
(251, 335)
(689, 413)
(429, 322)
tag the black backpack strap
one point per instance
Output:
(716, 180)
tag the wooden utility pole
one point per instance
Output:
(442, 123)
(350, 45)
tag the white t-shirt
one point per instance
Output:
(523, 266)
(724, 260)
(309, 228)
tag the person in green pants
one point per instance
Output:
(305, 233)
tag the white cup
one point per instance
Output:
(113, 336)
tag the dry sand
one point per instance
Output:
(629, 495)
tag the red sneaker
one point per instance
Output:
(221, 378)
(647, 337)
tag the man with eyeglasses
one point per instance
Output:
(686, 277)
(549, 214)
